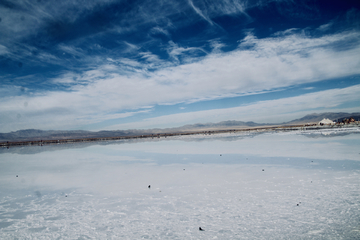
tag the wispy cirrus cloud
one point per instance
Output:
(200, 13)
(271, 63)
(188, 53)
(87, 63)
(270, 111)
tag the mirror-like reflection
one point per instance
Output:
(292, 185)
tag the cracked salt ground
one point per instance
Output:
(228, 196)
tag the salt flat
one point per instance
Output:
(292, 185)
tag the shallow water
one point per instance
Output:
(287, 185)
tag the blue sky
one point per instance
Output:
(112, 65)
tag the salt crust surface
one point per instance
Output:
(265, 186)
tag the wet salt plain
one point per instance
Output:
(286, 185)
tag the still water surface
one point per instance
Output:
(298, 185)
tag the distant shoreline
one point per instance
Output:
(300, 127)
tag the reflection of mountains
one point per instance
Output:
(329, 135)
(233, 138)
(29, 149)
(38, 135)
(225, 137)
(34, 149)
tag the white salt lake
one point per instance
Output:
(285, 185)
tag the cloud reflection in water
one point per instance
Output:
(308, 189)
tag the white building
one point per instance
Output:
(326, 121)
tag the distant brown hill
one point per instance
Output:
(316, 117)
(37, 135)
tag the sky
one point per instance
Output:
(116, 64)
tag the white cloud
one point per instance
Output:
(270, 64)
(210, 9)
(74, 51)
(67, 78)
(3, 50)
(271, 111)
(175, 51)
(98, 118)
(216, 46)
(325, 27)
(199, 12)
(131, 47)
(130, 62)
(25, 17)
(156, 30)
(228, 7)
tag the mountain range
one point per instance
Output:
(316, 117)
(36, 135)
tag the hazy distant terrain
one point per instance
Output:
(315, 117)
(36, 135)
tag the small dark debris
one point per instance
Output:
(65, 195)
(263, 170)
(17, 175)
(297, 204)
(200, 229)
(220, 155)
(149, 186)
(184, 169)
